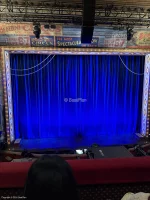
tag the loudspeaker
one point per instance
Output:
(88, 20)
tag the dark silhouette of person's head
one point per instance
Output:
(50, 178)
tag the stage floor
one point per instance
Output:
(79, 142)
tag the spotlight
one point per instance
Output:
(37, 30)
(129, 34)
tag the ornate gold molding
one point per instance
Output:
(6, 51)
(90, 51)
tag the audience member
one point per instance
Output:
(50, 178)
(138, 196)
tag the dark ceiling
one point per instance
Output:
(109, 13)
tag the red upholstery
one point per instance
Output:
(86, 172)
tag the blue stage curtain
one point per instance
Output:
(113, 96)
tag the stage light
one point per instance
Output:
(37, 30)
(79, 151)
(129, 33)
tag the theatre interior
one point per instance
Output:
(75, 83)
